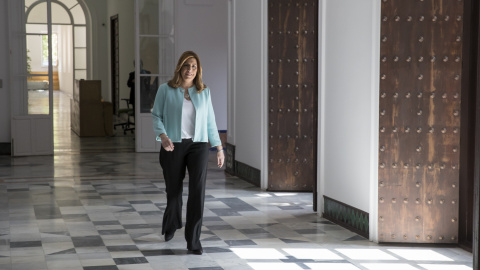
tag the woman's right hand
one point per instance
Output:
(166, 142)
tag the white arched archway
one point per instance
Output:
(30, 21)
(70, 23)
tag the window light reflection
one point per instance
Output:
(420, 255)
(389, 266)
(367, 254)
(258, 253)
(339, 259)
(331, 266)
(276, 266)
(281, 204)
(312, 254)
(285, 194)
(445, 267)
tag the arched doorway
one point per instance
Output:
(69, 42)
(71, 61)
(31, 38)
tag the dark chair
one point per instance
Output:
(130, 113)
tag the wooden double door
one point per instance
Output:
(292, 93)
(428, 86)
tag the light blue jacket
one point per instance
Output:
(167, 115)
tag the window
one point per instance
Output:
(45, 50)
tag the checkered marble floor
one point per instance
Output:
(103, 211)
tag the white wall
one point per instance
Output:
(101, 11)
(65, 58)
(208, 37)
(100, 49)
(125, 11)
(4, 76)
(249, 87)
(349, 48)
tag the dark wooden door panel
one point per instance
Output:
(420, 85)
(115, 62)
(293, 49)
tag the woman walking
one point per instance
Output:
(184, 122)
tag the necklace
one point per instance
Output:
(186, 95)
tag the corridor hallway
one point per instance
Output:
(97, 205)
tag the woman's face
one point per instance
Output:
(189, 70)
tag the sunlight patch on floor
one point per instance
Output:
(276, 266)
(331, 266)
(312, 254)
(285, 194)
(366, 254)
(389, 266)
(258, 253)
(265, 195)
(445, 267)
(420, 255)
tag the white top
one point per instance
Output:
(188, 119)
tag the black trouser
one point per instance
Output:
(192, 156)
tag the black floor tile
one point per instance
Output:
(132, 260)
(87, 241)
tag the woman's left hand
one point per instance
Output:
(220, 159)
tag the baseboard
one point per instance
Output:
(230, 159)
(247, 173)
(346, 216)
(240, 169)
(5, 148)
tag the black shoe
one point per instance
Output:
(169, 236)
(196, 251)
